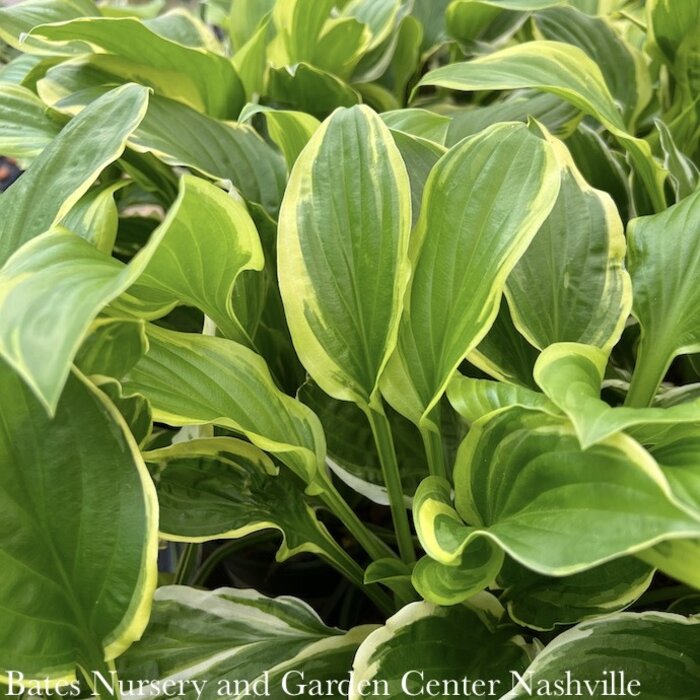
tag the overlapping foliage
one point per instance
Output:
(412, 283)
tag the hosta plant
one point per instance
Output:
(403, 294)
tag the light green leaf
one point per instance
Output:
(508, 182)
(27, 128)
(658, 654)
(245, 19)
(571, 375)
(290, 130)
(522, 480)
(419, 122)
(485, 655)
(557, 115)
(112, 347)
(565, 71)
(475, 398)
(307, 32)
(19, 19)
(251, 59)
(180, 136)
(623, 67)
(230, 635)
(192, 379)
(542, 602)
(481, 25)
(144, 10)
(182, 26)
(571, 283)
(16, 70)
(95, 216)
(68, 166)
(342, 253)
(684, 174)
(441, 577)
(663, 259)
(206, 241)
(61, 266)
(204, 80)
(674, 31)
(79, 541)
(679, 559)
(56, 265)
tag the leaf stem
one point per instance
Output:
(340, 560)
(649, 372)
(434, 452)
(392, 479)
(367, 540)
(187, 565)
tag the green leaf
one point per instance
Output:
(68, 166)
(223, 488)
(112, 347)
(205, 81)
(571, 283)
(308, 89)
(555, 114)
(352, 453)
(484, 656)
(419, 122)
(342, 253)
(95, 216)
(475, 398)
(134, 408)
(663, 259)
(431, 15)
(503, 353)
(192, 379)
(62, 271)
(653, 654)
(15, 71)
(228, 636)
(508, 183)
(251, 59)
(571, 375)
(623, 67)
(290, 130)
(676, 558)
(673, 34)
(79, 540)
(522, 480)
(27, 128)
(206, 241)
(684, 174)
(144, 10)
(420, 157)
(56, 265)
(332, 42)
(245, 19)
(565, 71)
(542, 602)
(449, 585)
(19, 19)
(182, 26)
